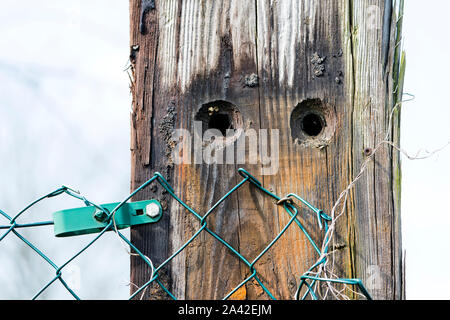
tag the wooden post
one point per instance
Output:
(325, 74)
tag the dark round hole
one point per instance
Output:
(221, 122)
(222, 116)
(312, 124)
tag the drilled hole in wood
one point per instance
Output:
(221, 122)
(313, 123)
(222, 116)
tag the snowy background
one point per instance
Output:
(64, 119)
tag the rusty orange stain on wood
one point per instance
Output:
(240, 294)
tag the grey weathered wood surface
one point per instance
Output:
(194, 52)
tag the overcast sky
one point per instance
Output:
(64, 119)
(426, 183)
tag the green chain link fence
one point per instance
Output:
(306, 280)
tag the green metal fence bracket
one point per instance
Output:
(79, 221)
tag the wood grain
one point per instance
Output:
(194, 52)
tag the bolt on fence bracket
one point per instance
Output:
(86, 220)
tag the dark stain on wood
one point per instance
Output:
(146, 6)
(248, 220)
(386, 39)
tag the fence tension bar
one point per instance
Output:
(86, 220)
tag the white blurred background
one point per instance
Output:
(64, 119)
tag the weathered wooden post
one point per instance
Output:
(325, 74)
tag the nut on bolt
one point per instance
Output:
(152, 210)
(100, 215)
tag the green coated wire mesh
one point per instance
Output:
(308, 282)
